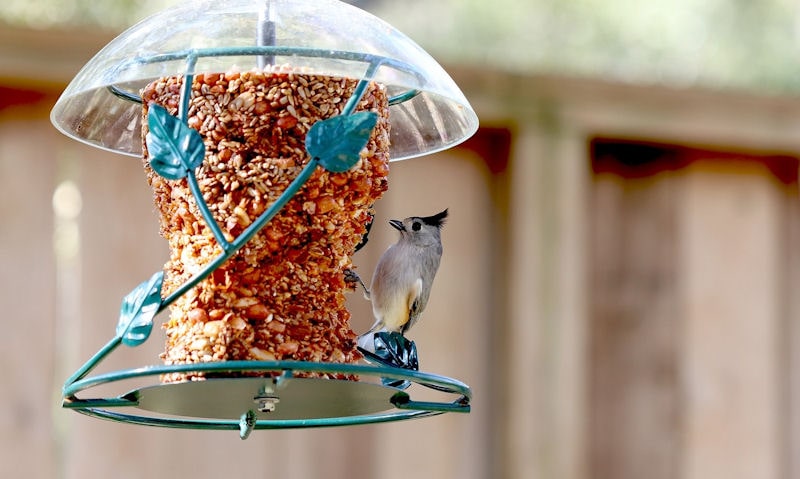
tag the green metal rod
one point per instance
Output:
(183, 114)
(93, 362)
(358, 92)
(374, 60)
(186, 90)
(407, 95)
(402, 400)
(426, 379)
(277, 51)
(75, 403)
(403, 97)
(209, 219)
(433, 406)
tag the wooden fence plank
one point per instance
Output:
(634, 338)
(730, 273)
(27, 292)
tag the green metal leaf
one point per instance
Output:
(337, 142)
(174, 147)
(138, 309)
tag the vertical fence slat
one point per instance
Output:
(27, 289)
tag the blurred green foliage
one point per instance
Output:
(111, 15)
(739, 44)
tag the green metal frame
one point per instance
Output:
(145, 302)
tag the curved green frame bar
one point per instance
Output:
(406, 408)
(191, 55)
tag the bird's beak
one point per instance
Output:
(397, 224)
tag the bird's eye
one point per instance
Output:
(416, 226)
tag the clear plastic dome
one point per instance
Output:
(428, 113)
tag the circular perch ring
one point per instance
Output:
(223, 403)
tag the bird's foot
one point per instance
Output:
(352, 278)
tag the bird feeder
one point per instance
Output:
(265, 129)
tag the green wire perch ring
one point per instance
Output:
(282, 399)
(279, 401)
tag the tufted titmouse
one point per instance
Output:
(403, 277)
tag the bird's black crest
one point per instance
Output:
(436, 220)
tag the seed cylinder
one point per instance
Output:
(282, 295)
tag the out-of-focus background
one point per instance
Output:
(619, 284)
